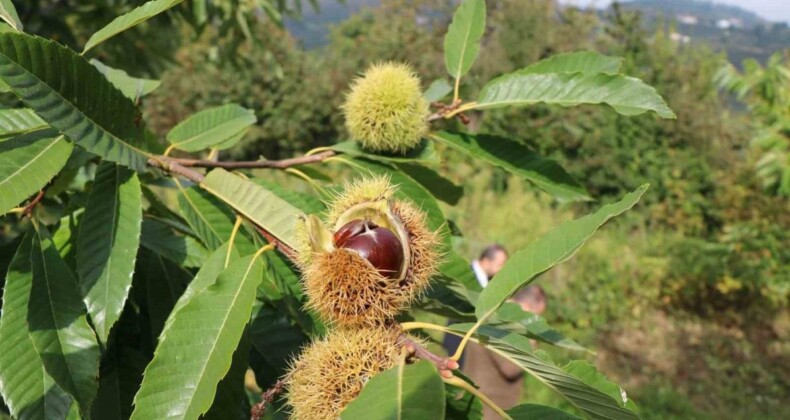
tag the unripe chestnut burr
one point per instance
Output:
(374, 243)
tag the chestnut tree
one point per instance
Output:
(150, 277)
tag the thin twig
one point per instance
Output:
(276, 164)
(285, 249)
(466, 386)
(445, 365)
(268, 396)
(446, 111)
(28, 210)
(176, 169)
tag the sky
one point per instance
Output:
(774, 10)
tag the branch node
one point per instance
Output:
(267, 397)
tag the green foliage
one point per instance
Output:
(59, 326)
(20, 121)
(109, 235)
(202, 354)
(293, 115)
(765, 91)
(567, 89)
(531, 411)
(180, 249)
(417, 390)
(100, 119)
(128, 20)
(514, 157)
(462, 42)
(584, 62)
(171, 304)
(546, 252)
(261, 206)
(9, 15)
(27, 163)
(132, 87)
(27, 389)
(220, 128)
(573, 384)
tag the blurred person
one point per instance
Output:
(491, 260)
(498, 378)
(485, 267)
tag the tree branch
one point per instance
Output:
(167, 165)
(276, 164)
(28, 210)
(268, 396)
(182, 167)
(445, 365)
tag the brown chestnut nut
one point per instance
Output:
(374, 243)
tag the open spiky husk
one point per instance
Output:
(345, 289)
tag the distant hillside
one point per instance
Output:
(739, 32)
(705, 10)
(313, 28)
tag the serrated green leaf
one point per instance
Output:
(593, 402)
(275, 337)
(212, 127)
(65, 239)
(439, 186)
(128, 20)
(199, 346)
(547, 251)
(207, 275)
(73, 97)
(514, 318)
(109, 235)
(132, 87)
(437, 90)
(462, 405)
(402, 392)
(627, 95)
(27, 163)
(516, 158)
(211, 219)
(9, 15)
(58, 325)
(542, 412)
(592, 377)
(25, 386)
(580, 61)
(282, 288)
(120, 375)
(462, 41)
(443, 298)
(180, 249)
(256, 203)
(19, 121)
(307, 203)
(161, 283)
(231, 401)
